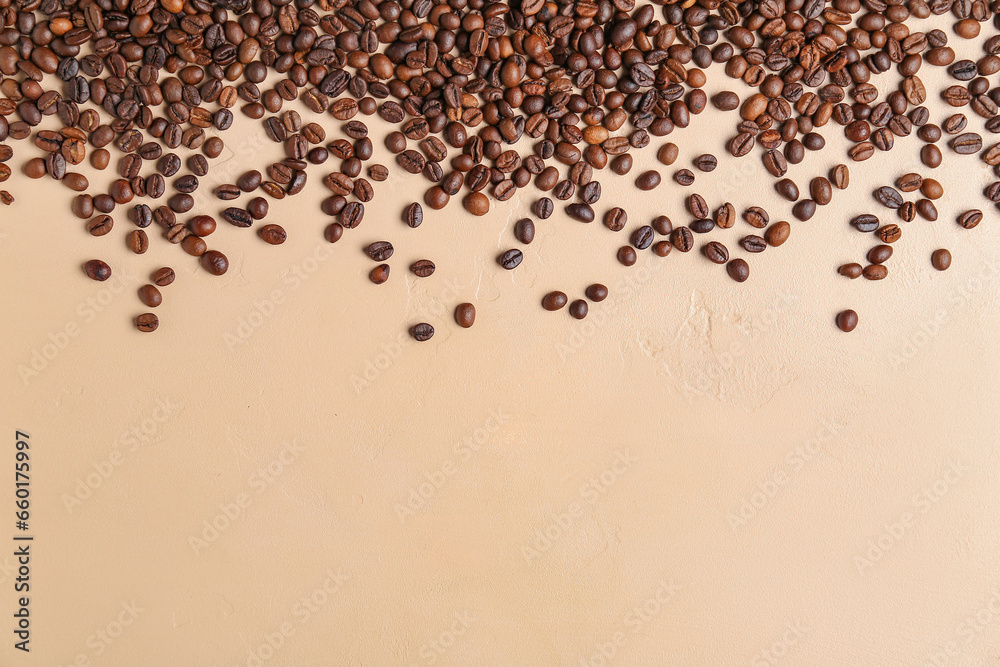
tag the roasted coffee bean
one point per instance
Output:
(927, 210)
(100, 225)
(596, 292)
(379, 274)
(662, 225)
(706, 163)
(147, 322)
(778, 233)
(682, 239)
(753, 243)
(941, 259)
(543, 208)
(273, 234)
(379, 251)
(787, 189)
(648, 180)
(697, 206)
(413, 215)
(465, 315)
(967, 144)
(865, 223)
(227, 192)
(237, 217)
(804, 210)
(880, 254)
(851, 271)
(642, 237)
(524, 230)
(890, 233)
(137, 241)
(875, 272)
(909, 182)
(626, 255)
(510, 259)
(930, 155)
(970, 219)
(725, 216)
(907, 212)
(684, 177)
(756, 217)
(476, 203)
(738, 270)
(422, 332)
(840, 176)
(578, 309)
(888, 197)
(150, 296)
(97, 270)
(163, 276)
(580, 212)
(716, 252)
(847, 320)
(422, 268)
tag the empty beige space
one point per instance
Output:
(699, 473)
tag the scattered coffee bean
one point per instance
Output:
(738, 270)
(422, 268)
(554, 300)
(422, 332)
(510, 259)
(147, 322)
(852, 270)
(941, 259)
(847, 320)
(97, 270)
(578, 309)
(465, 315)
(379, 274)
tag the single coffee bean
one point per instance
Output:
(865, 222)
(163, 276)
(875, 272)
(662, 225)
(422, 332)
(682, 239)
(738, 270)
(880, 254)
(510, 259)
(753, 243)
(716, 252)
(667, 153)
(578, 309)
(379, 274)
(969, 219)
(642, 237)
(380, 251)
(476, 203)
(697, 206)
(702, 225)
(465, 315)
(137, 241)
(777, 233)
(847, 320)
(237, 217)
(909, 182)
(931, 189)
(273, 234)
(684, 177)
(930, 156)
(941, 259)
(648, 180)
(97, 270)
(821, 190)
(580, 212)
(787, 189)
(967, 144)
(626, 255)
(215, 262)
(615, 219)
(706, 163)
(907, 212)
(554, 300)
(150, 296)
(524, 230)
(227, 192)
(852, 270)
(596, 292)
(756, 217)
(890, 233)
(100, 225)
(888, 197)
(927, 210)
(422, 268)
(147, 322)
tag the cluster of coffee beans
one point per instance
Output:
(466, 83)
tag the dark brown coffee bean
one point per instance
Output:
(97, 270)
(908, 211)
(380, 251)
(787, 189)
(642, 237)
(580, 212)
(227, 192)
(100, 225)
(875, 272)
(738, 270)
(465, 315)
(851, 271)
(840, 176)
(725, 216)
(682, 239)
(930, 155)
(273, 234)
(821, 190)
(778, 233)
(941, 259)
(716, 252)
(422, 268)
(147, 322)
(804, 210)
(137, 241)
(578, 309)
(970, 219)
(756, 217)
(215, 262)
(379, 274)
(596, 292)
(150, 296)
(927, 210)
(967, 144)
(476, 203)
(890, 233)
(697, 206)
(510, 259)
(865, 222)
(647, 180)
(684, 177)
(422, 332)
(543, 208)
(847, 320)
(753, 243)
(888, 197)
(524, 230)
(163, 276)
(706, 163)
(413, 215)
(626, 255)
(880, 254)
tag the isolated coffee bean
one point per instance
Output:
(642, 237)
(716, 252)
(163, 276)
(682, 239)
(465, 315)
(422, 332)
(738, 270)
(554, 300)
(941, 259)
(422, 268)
(969, 219)
(865, 222)
(852, 270)
(273, 234)
(615, 219)
(596, 292)
(753, 243)
(97, 270)
(847, 320)
(510, 259)
(147, 322)
(888, 197)
(379, 274)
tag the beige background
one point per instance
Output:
(699, 473)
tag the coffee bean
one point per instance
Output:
(777, 233)
(697, 206)
(738, 270)
(147, 322)
(684, 177)
(930, 156)
(615, 219)
(706, 163)
(137, 241)
(787, 189)
(682, 239)
(596, 292)
(756, 217)
(97, 270)
(725, 216)
(880, 254)
(422, 268)
(150, 296)
(716, 252)
(476, 203)
(888, 197)
(163, 276)
(847, 320)
(510, 259)
(804, 210)
(927, 210)
(380, 251)
(578, 309)
(422, 332)
(626, 255)
(554, 300)
(465, 315)
(100, 225)
(852, 270)
(941, 259)
(865, 222)
(909, 182)
(840, 176)
(580, 212)
(273, 234)
(524, 230)
(753, 243)
(215, 262)
(970, 219)
(907, 212)
(967, 144)
(875, 272)
(821, 190)
(642, 237)
(667, 153)
(379, 274)
(648, 180)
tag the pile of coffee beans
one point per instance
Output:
(485, 99)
